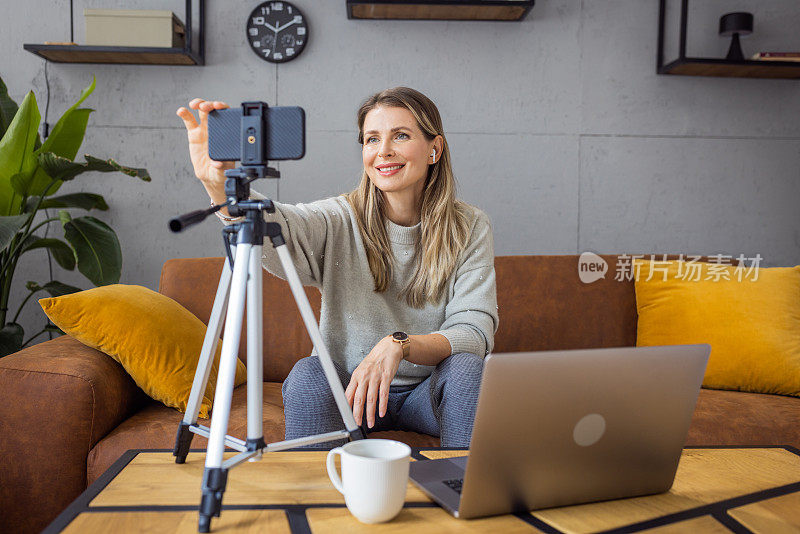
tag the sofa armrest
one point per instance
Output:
(59, 398)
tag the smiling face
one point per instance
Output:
(396, 154)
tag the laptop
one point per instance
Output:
(555, 428)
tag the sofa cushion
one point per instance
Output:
(156, 426)
(749, 316)
(737, 418)
(154, 338)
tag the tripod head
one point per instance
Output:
(237, 185)
(257, 138)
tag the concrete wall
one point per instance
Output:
(559, 126)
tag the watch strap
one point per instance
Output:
(405, 344)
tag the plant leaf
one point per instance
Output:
(8, 108)
(53, 287)
(64, 140)
(68, 140)
(86, 201)
(64, 216)
(9, 226)
(11, 338)
(62, 253)
(63, 169)
(97, 249)
(16, 152)
(67, 135)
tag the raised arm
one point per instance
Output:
(303, 226)
(305, 229)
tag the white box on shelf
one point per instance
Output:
(126, 27)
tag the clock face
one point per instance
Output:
(277, 31)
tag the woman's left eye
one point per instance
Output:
(401, 133)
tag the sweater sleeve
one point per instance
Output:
(305, 229)
(471, 317)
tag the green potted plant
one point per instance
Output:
(31, 172)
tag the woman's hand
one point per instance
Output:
(210, 172)
(372, 378)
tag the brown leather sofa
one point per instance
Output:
(68, 412)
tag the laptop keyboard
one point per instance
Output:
(455, 484)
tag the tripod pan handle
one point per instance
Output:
(182, 221)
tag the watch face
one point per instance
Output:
(277, 31)
(400, 336)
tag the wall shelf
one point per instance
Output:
(698, 66)
(496, 10)
(131, 55)
(115, 54)
(732, 69)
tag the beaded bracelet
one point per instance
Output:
(225, 218)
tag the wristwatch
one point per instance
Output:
(404, 340)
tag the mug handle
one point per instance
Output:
(332, 474)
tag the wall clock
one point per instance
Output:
(277, 31)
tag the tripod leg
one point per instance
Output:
(215, 476)
(316, 338)
(184, 438)
(255, 355)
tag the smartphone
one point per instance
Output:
(286, 133)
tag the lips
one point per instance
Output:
(389, 169)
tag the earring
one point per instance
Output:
(434, 155)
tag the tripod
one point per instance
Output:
(240, 280)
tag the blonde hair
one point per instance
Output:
(445, 224)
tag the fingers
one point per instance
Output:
(358, 402)
(188, 118)
(384, 397)
(372, 398)
(204, 107)
(207, 105)
(350, 391)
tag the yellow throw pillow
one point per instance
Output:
(156, 340)
(750, 316)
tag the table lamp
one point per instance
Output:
(735, 24)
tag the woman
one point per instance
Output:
(398, 254)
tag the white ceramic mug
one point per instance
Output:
(374, 477)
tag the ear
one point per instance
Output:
(438, 145)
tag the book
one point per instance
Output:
(776, 56)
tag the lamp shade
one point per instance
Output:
(739, 22)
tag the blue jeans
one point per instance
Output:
(442, 405)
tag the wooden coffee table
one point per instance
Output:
(715, 490)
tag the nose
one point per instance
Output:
(386, 149)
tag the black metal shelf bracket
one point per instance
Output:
(196, 55)
(199, 55)
(704, 66)
(662, 8)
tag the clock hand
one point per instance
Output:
(271, 27)
(286, 25)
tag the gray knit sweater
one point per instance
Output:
(323, 240)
